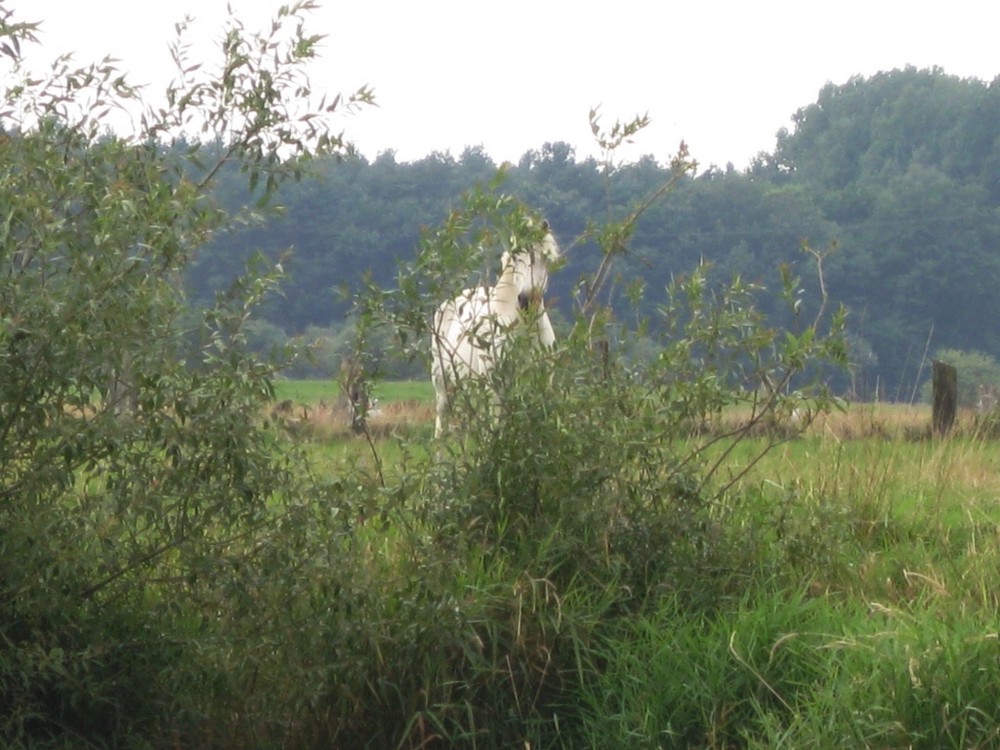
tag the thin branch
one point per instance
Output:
(680, 166)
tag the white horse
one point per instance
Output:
(469, 331)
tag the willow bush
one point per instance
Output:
(580, 485)
(139, 493)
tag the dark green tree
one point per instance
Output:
(900, 162)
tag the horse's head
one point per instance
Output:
(528, 267)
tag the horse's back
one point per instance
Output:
(455, 344)
(461, 326)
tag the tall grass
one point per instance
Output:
(871, 620)
(787, 669)
(840, 594)
(843, 597)
(541, 586)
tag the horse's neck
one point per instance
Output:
(504, 294)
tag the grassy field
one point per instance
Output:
(881, 452)
(312, 392)
(841, 594)
(556, 580)
(876, 457)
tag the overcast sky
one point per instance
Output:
(724, 75)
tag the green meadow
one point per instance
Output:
(840, 593)
(312, 392)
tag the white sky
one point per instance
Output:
(724, 75)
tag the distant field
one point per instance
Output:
(411, 402)
(313, 391)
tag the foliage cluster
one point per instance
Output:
(138, 492)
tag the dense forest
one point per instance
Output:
(901, 171)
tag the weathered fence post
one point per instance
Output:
(603, 348)
(945, 387)
(355, 388)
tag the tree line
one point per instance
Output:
(900, 171)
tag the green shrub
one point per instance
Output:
(138, 486)
(578, 490)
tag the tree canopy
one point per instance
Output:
(900, 170)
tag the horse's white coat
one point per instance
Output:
(468, 332)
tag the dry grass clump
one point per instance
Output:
(399, 415)
(863, 421)
(902, 422)
(322, 422)
(875, 421)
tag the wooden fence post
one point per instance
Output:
(355, 388)
(604, 351)
(945, 386)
